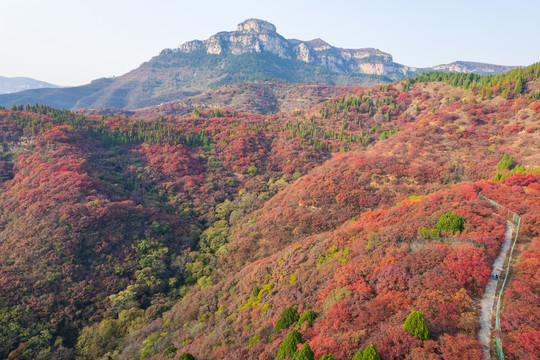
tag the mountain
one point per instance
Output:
(220, 233)
(472, 67)
(258, 36)
(254, 51)
(17, 84)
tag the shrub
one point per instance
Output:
(252, 170)
(289, 346)
(253, 341)
(309, 316)
(288, 317)
(428, 233)
(450, 222)
(416, 325)
(506, 163)
(186, 356)
(171, 350)
(447, 222)
(335, 296)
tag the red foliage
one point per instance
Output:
(468, 265)
(461, 347)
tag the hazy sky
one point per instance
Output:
(71, 42)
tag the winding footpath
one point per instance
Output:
(486, 316)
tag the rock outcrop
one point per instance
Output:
(255, 35)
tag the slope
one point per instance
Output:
(136, 238)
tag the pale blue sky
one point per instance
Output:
(71, 42)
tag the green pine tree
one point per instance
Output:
(518, 89)
(507, 162)
(358, 355)
(288, 317)
(289, 346)
(304, 354)
(309, 316)
(450, 222)
(328, 357)
(186, 356)
(416, 325)
(370, 353)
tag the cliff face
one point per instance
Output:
(250, 36)
(256, 36)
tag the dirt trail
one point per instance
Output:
(487, 312)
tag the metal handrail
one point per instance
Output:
(516, 219)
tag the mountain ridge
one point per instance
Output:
(254, 51)
(16, 84)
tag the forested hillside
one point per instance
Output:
(352, 228)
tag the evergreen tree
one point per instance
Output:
(288, 317)
(358, 355)
(450, 222)
(309, 316)
(506, 163)
(518, 89)
(186, 356)
(328, 357)
(370, 353)
(304, 354)
(289, 346)
(416, 325)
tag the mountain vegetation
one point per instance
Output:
(348, 230)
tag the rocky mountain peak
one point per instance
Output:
(259, 36)
(256, 25)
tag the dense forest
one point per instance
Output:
(348, 230)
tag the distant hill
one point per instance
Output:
(473, 67)
(15, 84)
(255, 51)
